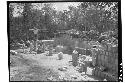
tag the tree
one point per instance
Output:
(97, 16)
(26, 19)
(102, 15)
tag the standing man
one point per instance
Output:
(35, 30)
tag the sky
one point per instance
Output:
(17, 10)
(64, 5)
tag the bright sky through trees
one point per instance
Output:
(58, 6)
(64, 5)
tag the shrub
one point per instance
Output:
(65, 41)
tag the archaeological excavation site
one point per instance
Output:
(63, 41)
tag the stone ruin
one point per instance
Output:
(103, 63)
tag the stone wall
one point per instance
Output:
(106, 62)
(108, 59)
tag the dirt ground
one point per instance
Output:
(46, 68)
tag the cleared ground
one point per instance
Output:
(39, 67)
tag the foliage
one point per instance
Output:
(65, 41)
(93, 18)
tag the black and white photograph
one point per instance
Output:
(64, 41)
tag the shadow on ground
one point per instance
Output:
(22, 69)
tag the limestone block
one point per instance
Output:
(104, 52)
(93, 72)
(116, 55)
(106, 60)
(107, 53)
(109, 47)
(113, 67)
(102, 75)
(83, 68)
(116, 65)
(102, 60)
(99, 73)
(109, 59)
(115, 49)
(101, 51)
(90, 70)
(99, 60)
(96, 72)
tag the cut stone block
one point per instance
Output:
(102, 75)
(93, 72)
(106, 60)
(104, 52)
(115, 55)
(99, 60)
(109, 47)
(102, 59)
(107, 53)
(99, 63)
(89, 70)
(109, 59)
(96, 72)
(115, 49)
(99, 73)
